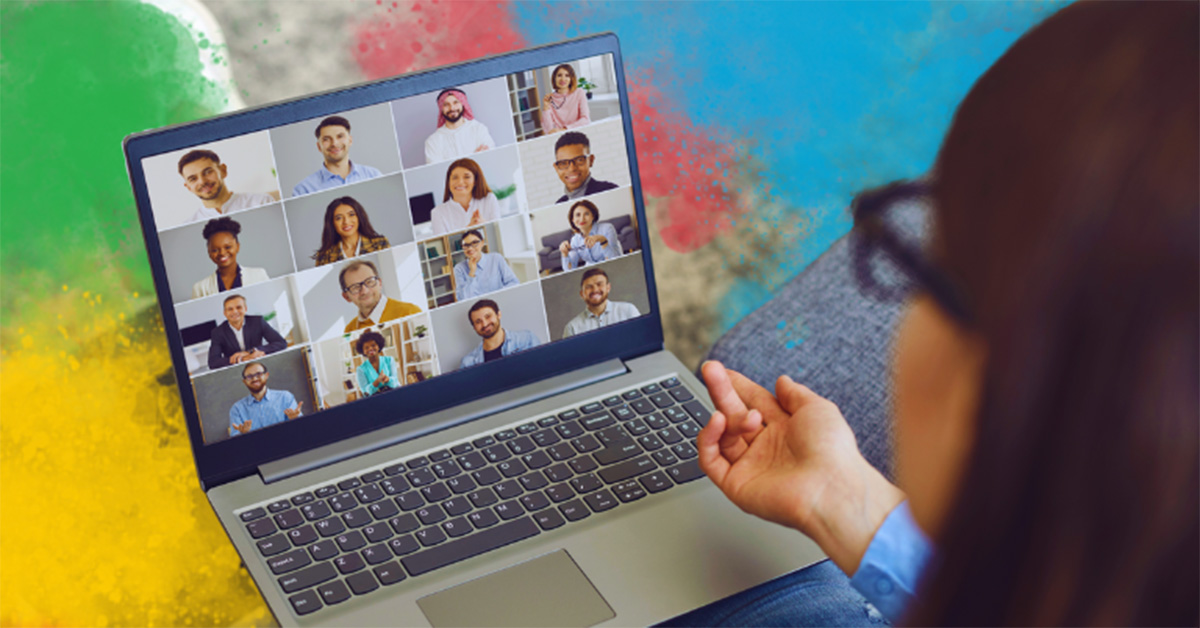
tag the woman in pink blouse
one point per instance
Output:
(566, 107)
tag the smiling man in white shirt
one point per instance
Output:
(593, 289)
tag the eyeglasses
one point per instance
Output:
(254, 375)
(891, 263)
(473, 244)
(579, 162)
(369, 282)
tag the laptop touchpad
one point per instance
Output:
(547, 591)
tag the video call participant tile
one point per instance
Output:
(363, 292)
(211, 180)
(255, 395)
(465, 192)
(341, 223)
(595, 296)
(574, 164)
(490, 328)
(230, 252)
(336, 150)
(461, 121)
(587, 231)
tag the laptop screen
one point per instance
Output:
(370, 251)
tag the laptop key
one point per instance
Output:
(561, 451)
(260, 528)
(568, 415)
(650, 389)
(534, 501)
(368, 494)
(511, 468)
(411, 500)
(681, 395)
(593, 422)
(483, 519)
(305, 603)
(486, 441)
(586, 443)
(536, 460)
(505, 434)
(586, 483)
(430, 536)
(610, 435)
(383, 510)
(642, 406)
(278, 506)
(625, 470)
(650, 442)
(533, 481)
(305, 578)
(592, 407)
(315, 510)
(456, 527)
(545, 438)
(614, 400)
(560, 493)
(574, 510)
(330, 527)
(508, 489)
(670, 382)
(521, 445)
(349, 563)
(406, 544)
(670, 436)
(601, 501)
(559, 472)
(395, 469)
(630, 395)
(656, 421)
(547, 421)
(326, 491)
(698, 411)
(456, 506)
(470, 546)
(404, 523)
(439, 455)
(637, 427)
(684, 450)
(357, 518)
(378, 532)
(342, 502)
(421, 477)
(435, 492)
(549, 519)
(689, 430)
(334, 593)
(362, 583)
(483, 497)
(664, 457)
(685, 471)
(617, 452)
(371, 477)
(461, 484)
(302, 536)
(391, 573)
(417, 463)
(570, 429)
(350, 541)
(446, 469)
(656, 482)
(273, 545)
(431, 514)
(662, 400)
(461, 449)
(348, 484)
(583, 464)
(496, 453)
(527, 428)
(323, 550)
(472, 461)
(623, 413)
(376, 554)
(251, 515)
(629, 491)
(290, 561)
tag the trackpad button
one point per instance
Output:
(549, 590)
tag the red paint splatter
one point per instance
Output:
(452, 32)
(680, 162)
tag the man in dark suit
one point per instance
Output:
(240, 337)
(573, 163)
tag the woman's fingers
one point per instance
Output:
(708, 446)
(792, 395)
(720, 388)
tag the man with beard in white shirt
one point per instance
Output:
(458, 134)
(204, 175)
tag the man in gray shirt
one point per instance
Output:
(593, 289)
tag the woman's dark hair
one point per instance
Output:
(417, 375)
(570, 70)
(223, 224)
(481, 188)
(369, 336)
(591, 207)
(329, 235)
(1067, 208)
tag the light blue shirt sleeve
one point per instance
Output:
(236, 417)
(491, 274)
(891, 568)
(582, 255)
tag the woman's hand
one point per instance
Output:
(593, 240)
(792, 459)
(565, 248)
(475, 219)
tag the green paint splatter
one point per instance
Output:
(75, 79)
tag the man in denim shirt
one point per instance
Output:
(497, 341)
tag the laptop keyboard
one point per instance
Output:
(359, 534)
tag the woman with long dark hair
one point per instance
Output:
(1047, 372)
(347, 233)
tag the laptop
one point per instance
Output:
(416, 335)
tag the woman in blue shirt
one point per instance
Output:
(592, 241)
(1047, 423)
(377, 373)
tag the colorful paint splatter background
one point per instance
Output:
(754, 123)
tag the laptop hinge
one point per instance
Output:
(443, 419)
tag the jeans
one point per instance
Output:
(819, 595)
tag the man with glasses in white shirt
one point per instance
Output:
(361, 286)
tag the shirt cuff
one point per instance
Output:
(892, 566)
